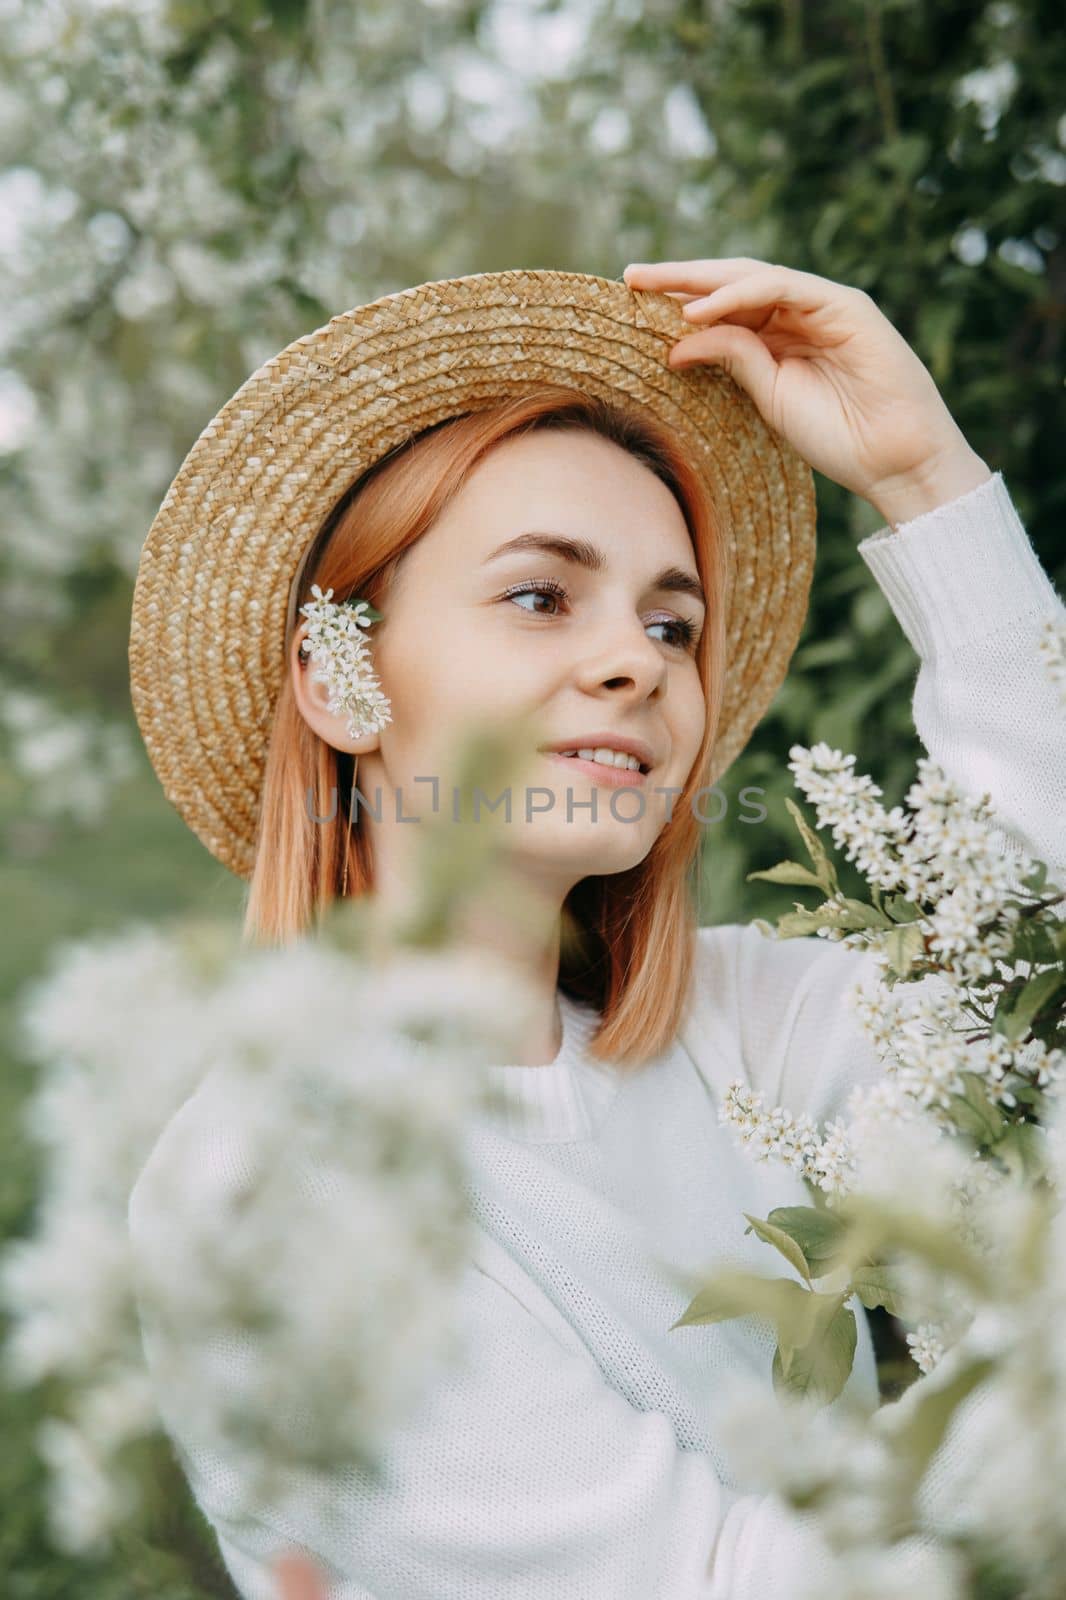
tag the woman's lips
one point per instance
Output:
(610, 777)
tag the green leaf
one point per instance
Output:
(817, 75)
(900, 909)
(823, 867)
(819, 1368)
(881, 1226)
(876, 1286)
(856, 914)
(903, 947)
(1037, 878)
(798, 924)
(788, 872)
(1033, 942)
(735, 1293)
(818, 1234)
(1023, 1150)
(1015, 1024)
(782, 1241)
(803, 1335)
(974, 1113)
(905, 154)
(823, 652)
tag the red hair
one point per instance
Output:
(627, 941)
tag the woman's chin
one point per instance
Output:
(588, 848)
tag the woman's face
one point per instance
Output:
(604, 655)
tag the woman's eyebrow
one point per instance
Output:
(585, 554)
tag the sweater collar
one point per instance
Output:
(565, 1099)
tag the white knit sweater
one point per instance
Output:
(573, 1456)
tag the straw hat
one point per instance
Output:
(224, 552)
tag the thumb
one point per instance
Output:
(740, 352)
(298, 1578)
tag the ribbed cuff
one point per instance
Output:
(954, 575)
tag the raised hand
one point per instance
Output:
(827, 370)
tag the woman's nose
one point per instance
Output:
(627, 658)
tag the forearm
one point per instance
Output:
(973, 599)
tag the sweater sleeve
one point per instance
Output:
(972, 598)
(520, 1474)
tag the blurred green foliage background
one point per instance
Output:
(191, 185)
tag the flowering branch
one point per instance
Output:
(969, 1016)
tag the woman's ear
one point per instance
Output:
(312, 700)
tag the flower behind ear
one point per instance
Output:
(335, 642)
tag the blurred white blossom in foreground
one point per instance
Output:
(322, 1208)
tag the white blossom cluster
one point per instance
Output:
(927, 1038)
(926, 1345)
(884, 1137)
(948, 850)
(848, 804)
(327, 1210)
(947, 858)
(339, 648)
(777, 1134)
(896, 1141)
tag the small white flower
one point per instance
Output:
(926, 1345)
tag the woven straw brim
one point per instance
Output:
(211, 600)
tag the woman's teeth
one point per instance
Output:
(606, 757)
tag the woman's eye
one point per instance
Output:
(547, 590)
(683, 632)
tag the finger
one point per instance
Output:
(775, 286)
(691, 277)
(298, 1578)
(740, 352)
(680, 296)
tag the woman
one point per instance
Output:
(574, 1453)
